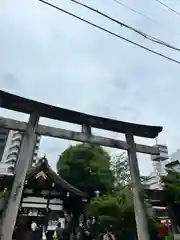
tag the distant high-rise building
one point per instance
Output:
(11, 147)
(159, 163)
(160, 160)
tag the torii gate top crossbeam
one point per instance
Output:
(20, 104)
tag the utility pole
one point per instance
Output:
(9, 217)
(139, 206)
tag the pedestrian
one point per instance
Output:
(59, 232)
(35, 233)
(33, 226)
(108, 235)
(87, 230)
(43, 233)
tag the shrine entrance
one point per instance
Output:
(36, 110)
(47, 199)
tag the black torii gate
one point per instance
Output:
(36, 110)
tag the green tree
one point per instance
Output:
(87, 167)
(172, 186)
(172, 193)
(116, 210)
(121, 171)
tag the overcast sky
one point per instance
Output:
(51, 57)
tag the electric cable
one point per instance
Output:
(143, 15)
(145, 35)
(110, 32)
(166, 6)
(139, 13)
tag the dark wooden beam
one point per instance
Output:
(24, 105)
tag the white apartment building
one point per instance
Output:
(159, 163)
(152, 182)
(12, 147)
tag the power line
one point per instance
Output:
(110, 32)
(171, 9)
(143, 15)
(145, 35)
(137, 12)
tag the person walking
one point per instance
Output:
(108, 236)
(87, 230)
(59, 232)
(35, 233)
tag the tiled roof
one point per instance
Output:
(43, 165)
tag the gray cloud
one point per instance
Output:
(10, 82)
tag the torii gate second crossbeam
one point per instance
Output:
(36, 110)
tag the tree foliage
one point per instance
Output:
(114, 210)
(172, 190)
(87, 167)
(117, 210)
(172, 186)
(121, 171)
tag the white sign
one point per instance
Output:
(52, 224)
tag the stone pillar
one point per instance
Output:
(139, 206)
(8, 220)
(86, 130)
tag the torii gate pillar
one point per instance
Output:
(9, 217)
(139, 207)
